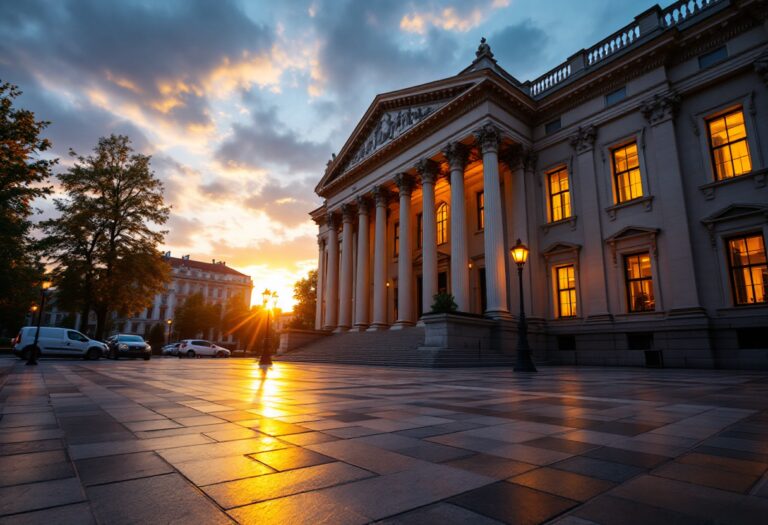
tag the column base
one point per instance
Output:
(341, 329)
(499, 315)
(399, 325)
(359, 328)
(378, 327)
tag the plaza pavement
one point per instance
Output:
(210, 441)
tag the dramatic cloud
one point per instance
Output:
(520, 49)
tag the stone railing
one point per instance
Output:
(654, 20)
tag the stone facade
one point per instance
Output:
(635, 172)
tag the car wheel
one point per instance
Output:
(147, 357)
(191, 354)
(24, 356)
(93, 354)
(114, 355)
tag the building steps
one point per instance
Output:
(391, 348)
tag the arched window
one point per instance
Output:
(442, 223)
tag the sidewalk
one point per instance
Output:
(214, 441)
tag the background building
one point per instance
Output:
(635, 171)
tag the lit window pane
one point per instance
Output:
(728, 142)
(566, 291)
(749, 272)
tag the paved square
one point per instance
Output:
(217, 441)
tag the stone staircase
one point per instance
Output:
(391, 348)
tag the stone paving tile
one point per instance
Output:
(26, 447)
(366, 456)
(219, 450)
(159, 499)
(560, 483)
(516, 504)
(308, 438)
(609, 510)
(23, 498)
(219, 470)
(308, 508)
(491, 466)
(107, 469)
(628, 457)
(76, 514)
(445, 513)
(291, 458)
(597, 468)
(724, 463)
(270, 486)
(708, 477)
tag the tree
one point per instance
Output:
(23, 177)
(105, 243)
(305, 293)
(156, 337)
(196, 317)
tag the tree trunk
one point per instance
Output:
(101, 321)
(84, 313)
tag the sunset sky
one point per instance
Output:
(241, 103)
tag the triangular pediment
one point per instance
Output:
(632, 231)
(736, 211)
(560, 247)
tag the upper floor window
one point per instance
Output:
(559, 195)
(626, 173)
(728, 144)
(442, 223)
(480, 197)
(566, 291)
(749, 272)
(396, 238)
(637, 270)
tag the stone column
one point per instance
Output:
(155, 315)
(428, 171)
(456, 153)
(678, 281)
(488, 138)
(362, 284)
(592, 277)
(332, 279)
(521, 166)
(320, 288)
(404, 259)
(380, 261)
(345, 277)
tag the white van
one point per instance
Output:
(57, 341)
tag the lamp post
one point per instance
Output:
(266, 357)
(32, 357)
(169, 322)
(524, 362)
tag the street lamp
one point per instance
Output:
(524, 362)
(169, 322)
(266, 357)
(32, 357)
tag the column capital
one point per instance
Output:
(457, 154)
(347, 212)
(332, 220)
(428, 170)
(584, 139)
(489, 137)
(404, 183)
(660, 107)
(362, 205)
(380, 195)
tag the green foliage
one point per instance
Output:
(156, 337)
(194, 318)
(24, 175)
(105, 243)
(444, 303)
(305, 293)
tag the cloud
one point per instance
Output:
(520, 48)
(287, 204)
(292, 254)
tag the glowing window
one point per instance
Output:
(749, 272)
(559, 195)
(728, 144)
(480, 210)
(566, 291)
(639, 283)
(442, 223)
(626, 173)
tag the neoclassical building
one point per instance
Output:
(635, 172)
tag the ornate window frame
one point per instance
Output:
(629, 241)
(609, 178)
(556, 256)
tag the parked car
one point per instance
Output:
(199, 347)
(53, 341)
(171, 349)
(127, 345)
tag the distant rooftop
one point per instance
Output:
(213, 266)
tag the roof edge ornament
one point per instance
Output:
(484, 50)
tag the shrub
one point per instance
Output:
(443, 304)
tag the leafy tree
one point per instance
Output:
(23, 177)
(156, 337)
(305, 293)
(105, 243)
(195, 317)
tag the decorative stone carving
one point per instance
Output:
(488, 136)
(584, 139)
(380, 195)
(404, 183)
(391, 125)
(347, 212)
(428, 170)
(529, 159)
(761, 67)
(457, 154)
(332, 221)
(483, 49)
(362, 205)
(660, 108)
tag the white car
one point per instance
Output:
(171, 349)
(200, 347)
(61, 342)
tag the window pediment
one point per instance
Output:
(559, 248)
(735, 211)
